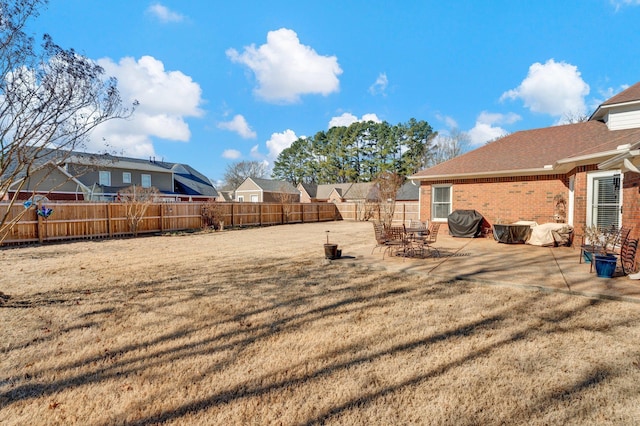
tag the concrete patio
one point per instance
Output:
(487, 261)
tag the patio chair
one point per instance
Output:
(381, 236)
(396, 240)
(430, 239)
(416, 224)
(615, 240)
(628, 256)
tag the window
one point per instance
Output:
(241, 198)
(126, 177)
(145, 181)
(105, 178)
(254, 198)
(440, 202)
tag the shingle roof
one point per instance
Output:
(629, 95)
(409, 191)
(532, 150)
(310, 188)
(275, 185)
(360, 191)
(324, 190)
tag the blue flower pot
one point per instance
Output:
(606, 265)
(587, 256)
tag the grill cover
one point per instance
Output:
(465, 223)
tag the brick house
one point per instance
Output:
(584, 173)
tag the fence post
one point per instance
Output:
(40, 228)
(109, 224)
(404, 213)
(161, 217)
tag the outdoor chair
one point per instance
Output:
(396, 241)
(430, 239)
(418, 224)
(381, 236)
(628, 256)
(614, 239)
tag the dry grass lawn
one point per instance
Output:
(251, 327)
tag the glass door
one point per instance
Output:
(605, 199)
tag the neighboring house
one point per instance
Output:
(308, 192)
(260, 190)
(409, 191)
(586, 173)
(225, 196)
(352, 192)
(100, 177)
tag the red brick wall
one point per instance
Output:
(532, 198)
(507, 199)
(631, 203)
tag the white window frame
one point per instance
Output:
(145, 177)
(126, 177)
(240, 198)
(254, 198)
(590, 178)
(104, 177)
(433, 196)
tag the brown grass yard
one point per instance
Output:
(251, 327)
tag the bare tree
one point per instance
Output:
(137, 201)
(236, 173)
(212, 214)
(573, 117)
(286, 198)
(50, 100)
(388, 184)
(448, 146)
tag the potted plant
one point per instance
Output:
(601, 242)
(331, 250)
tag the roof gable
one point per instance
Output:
(630, 94)
(267, 185)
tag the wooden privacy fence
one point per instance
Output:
(404, 212)
(103, 220)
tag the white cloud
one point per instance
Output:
(486, 128)
(239, 125)
(380, 85)
(279, 142)
(231, 154)
(620, 3)
(164, 14)
(166, 99)
(554, 88)
(448, 121)
(347, 119)
(285, 69)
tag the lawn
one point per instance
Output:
(252, 327)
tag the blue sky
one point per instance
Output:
(220, 82)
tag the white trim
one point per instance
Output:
(104, 177)
(590, 177)
(572, 195)
(450, 187)
(142, 179)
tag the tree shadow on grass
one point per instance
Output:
(276, 312)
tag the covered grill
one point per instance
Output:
(465, 223)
